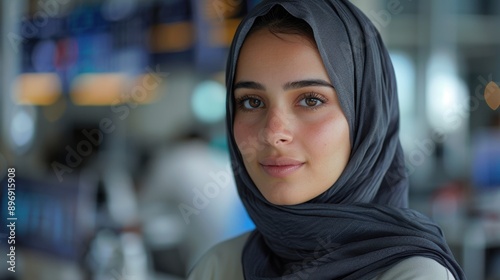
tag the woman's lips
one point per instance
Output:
(280, 167)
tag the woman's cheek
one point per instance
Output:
(244, 141)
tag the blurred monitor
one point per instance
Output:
(53, 217)
(486, 159)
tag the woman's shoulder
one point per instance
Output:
(223, 261)
(416, 268)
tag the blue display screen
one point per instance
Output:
(50, 216)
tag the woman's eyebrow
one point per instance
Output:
(287, 86)
(307, 83)
(249, 85)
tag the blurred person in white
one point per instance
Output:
(313, 121)
(185, 214)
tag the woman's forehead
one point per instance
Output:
(276, 57)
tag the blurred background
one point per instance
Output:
(112, 114)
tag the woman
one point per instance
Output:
(313, 134)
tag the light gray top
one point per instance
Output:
(223, 261)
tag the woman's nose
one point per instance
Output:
(277, 129)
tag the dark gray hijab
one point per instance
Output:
(360, 226)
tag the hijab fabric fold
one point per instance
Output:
(360, 226)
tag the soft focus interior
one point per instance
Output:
(112, 115)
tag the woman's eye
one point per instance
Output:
(310, 102)
(251, 103)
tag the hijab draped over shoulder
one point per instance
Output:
(360, 226)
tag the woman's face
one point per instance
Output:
(289, 126)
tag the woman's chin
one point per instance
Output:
(284, 197)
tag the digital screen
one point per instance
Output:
(486, 159)
(52, 217)
(128, 36)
